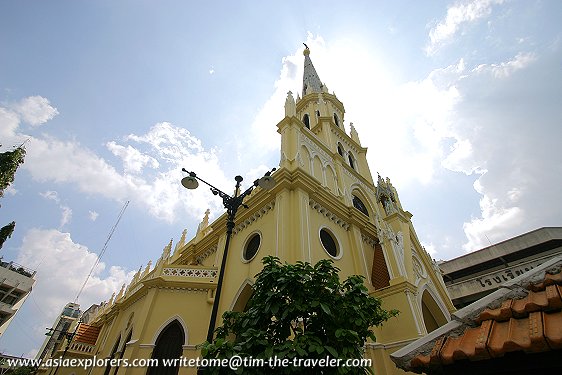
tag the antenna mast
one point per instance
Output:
(103, 249)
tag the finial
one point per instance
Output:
(120, 294)
(167, 250)
(290, 105)
(353, 133)
(181, 241)
(306, 51)
(201, 229)
(147, 269)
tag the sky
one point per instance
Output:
(458, 102)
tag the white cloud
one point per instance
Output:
(507, 132)
(66, 216)
(11, 190)
(170, 148)
(51, 195)
(133, 160)
(9, 122)
(50, 159)
(93, 215)
(430, 248)
(62, 267)
(506, 68)
(170, 142)
(35, 110)
(457, 15)
(497, 222)
(66, 212)
(460, 158)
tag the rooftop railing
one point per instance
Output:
(13, 266)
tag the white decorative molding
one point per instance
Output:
(256, 216)
(316, 150)
(358, 181)
(190, 272)
(182, 290)
(369, 240)
(206, 254)
(324, 211)
(180, 320)
(135, 289)
(343, 140)
(397, 244)
(430, 288)
(419, 270)
(415, 309)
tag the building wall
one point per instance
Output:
(314, 190)
(16, 283)
(474, 275)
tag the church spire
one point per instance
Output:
(310, 80)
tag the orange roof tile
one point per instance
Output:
(529, 324)
(87, 334)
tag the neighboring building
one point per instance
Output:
(515, 330)
(62, 326)
(477, 274)
(325, 205)
(16, 283)
(90, 313)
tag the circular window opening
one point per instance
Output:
(252, 247)
(329, 242)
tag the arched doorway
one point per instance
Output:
(433, 317)
(242, 297)
(169, 345)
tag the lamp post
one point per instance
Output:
(68, 335)
(231, 204)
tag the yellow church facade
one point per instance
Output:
(325, 204)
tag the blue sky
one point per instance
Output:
(459, 103)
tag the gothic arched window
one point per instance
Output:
(169, 345)
(111, 356)
(123, 349)
(336, 120)
(340, 149)
(351, 161)
(306, 120)
(358, 203)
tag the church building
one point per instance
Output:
(325, 204)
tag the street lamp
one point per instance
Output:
(68, 335)
(231, 204)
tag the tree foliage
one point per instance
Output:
(23, 370)
(9, 163)
(6, 232)
(299, 311)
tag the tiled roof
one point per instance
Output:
(524, 316)
(87, 334)
(530, 324)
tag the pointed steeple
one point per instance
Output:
(310, 80)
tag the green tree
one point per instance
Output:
(9, 163)
(6, 232)
(23, 370)
(299, 311)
